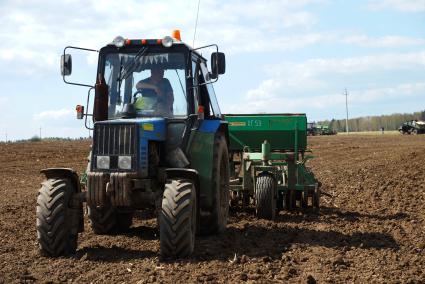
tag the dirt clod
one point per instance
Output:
(311, 280)
(243, 259)
(243, 277)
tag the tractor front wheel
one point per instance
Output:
(58, 217)
(178, 219)
(265, 197)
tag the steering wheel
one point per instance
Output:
(138, 92)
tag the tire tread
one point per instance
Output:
(53, 218)
(176, 236)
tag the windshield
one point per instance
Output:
(153, 82)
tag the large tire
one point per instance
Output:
(178, 219)
(265, 197)
(109, 220)
(216, 219)
(57, 217)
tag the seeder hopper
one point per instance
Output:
(267, 163)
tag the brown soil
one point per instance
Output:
(372, 230)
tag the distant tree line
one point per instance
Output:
(373, 123)
(36, 138)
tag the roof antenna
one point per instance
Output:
(196, 24)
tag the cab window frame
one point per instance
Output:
(105, 51)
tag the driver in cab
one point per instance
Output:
(157, 93)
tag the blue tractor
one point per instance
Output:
(159, 144)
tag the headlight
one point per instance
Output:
(124, 162)
(102, 162)
(119, 41)
(167, 41)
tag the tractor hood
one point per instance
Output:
(125, 140)
(151, 128)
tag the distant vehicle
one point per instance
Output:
(311, 128)
(412, 127)
(325, 130)
(314, 129)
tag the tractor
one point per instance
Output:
(159, 144)
(412, 127)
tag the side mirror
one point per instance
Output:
(218, 64)
(66, 65)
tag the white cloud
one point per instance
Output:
(38, 34)
(401, 91)
(265, 91)
(3, 100)
(385, 41)
(371, 63)
(295, 87)
(54, 114)
(400, 5)
(281, 102)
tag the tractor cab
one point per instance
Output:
(156, 78)
(161, 87)
(139, 78)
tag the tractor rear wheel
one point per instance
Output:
(178, 219)
(109, 220)
(265, 197)
(57, 217)
(216, 219)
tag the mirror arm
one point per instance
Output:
(216, 47)
(206, 83)
(87, 109)
(79, 48)
(205, 46)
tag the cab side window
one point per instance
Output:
(203, 89)
(210, 90)
(195, 76)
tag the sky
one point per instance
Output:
(282, 56)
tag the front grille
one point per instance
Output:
(113, 140)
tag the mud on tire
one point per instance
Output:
(265, 200)
(178, 219)
(57, 218)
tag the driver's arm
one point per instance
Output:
(144, 85)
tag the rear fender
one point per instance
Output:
(51, 173)
(216, 126)
(188, 174)
(63, 173)
(185, 173)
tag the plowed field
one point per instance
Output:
(371, 230)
